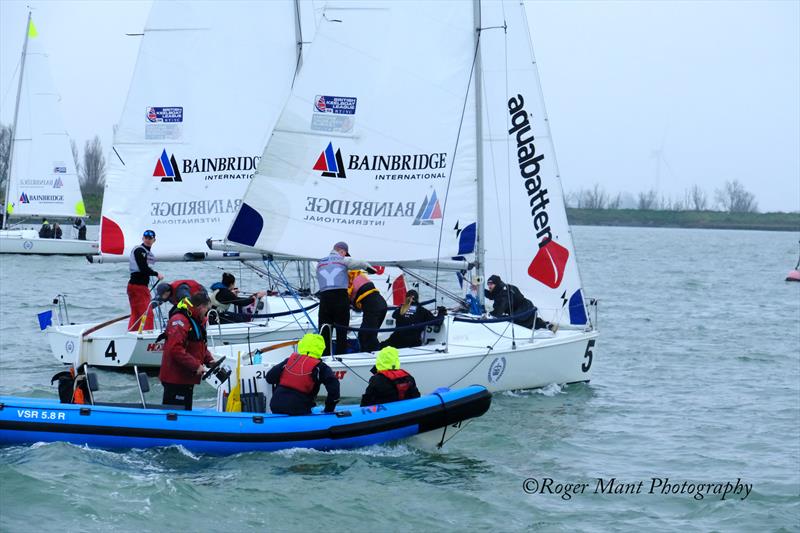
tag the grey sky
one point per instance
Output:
(713, 86)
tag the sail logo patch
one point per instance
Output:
(165, 114)
(549, 264)
(429, 211)
(44, 198)
(330, 164)
(338, 105)
(167, 169)
(59, 169)
(58, 183)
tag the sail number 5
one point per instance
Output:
(588, 356)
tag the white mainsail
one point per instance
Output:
(42, 177)
(400, 75)
(367, 149)
(208, 86)
(527, 236)
(365, 101)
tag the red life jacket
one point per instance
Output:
(297, 373)
(400, 379)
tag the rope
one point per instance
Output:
(293, 293)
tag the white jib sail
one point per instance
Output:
(367, 149)
(209, 83)
(42, 180)
(528, 241)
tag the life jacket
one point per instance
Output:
(151, 259)
(297, 373)
(197, 333)
(400, 379)
(359, 287)
(215, 288)
(331, 273)
(193, 286)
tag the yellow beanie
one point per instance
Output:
(311, 345)
(388, 359)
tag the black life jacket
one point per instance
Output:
(196, 332)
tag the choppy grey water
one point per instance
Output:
(696, 379)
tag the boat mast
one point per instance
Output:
(14, 124)
(298, 32)
(479, 255)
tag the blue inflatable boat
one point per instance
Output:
(439, 415)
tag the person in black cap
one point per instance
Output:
(140, 263)
(408, 314)
(508, 300)
(334, 302)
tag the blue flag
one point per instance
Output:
(45, 319)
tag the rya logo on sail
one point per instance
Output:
(330, 164)
(167, 169)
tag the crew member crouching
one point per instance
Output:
(297, 379)
(389, 383)
(186, 352)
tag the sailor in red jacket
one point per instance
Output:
(186, 354)
(389, 383)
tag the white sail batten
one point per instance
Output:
(208, 86)
(355, 155)
(43, 180)
(529, 243)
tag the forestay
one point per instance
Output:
(527, 237)
(43, 180)
(208, 86)
(367, 149)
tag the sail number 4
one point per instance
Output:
(111, 351)
(588, 356)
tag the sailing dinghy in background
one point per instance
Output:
(423, 152)
(42, 180)
(208, 86)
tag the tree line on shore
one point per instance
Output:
(732, 197)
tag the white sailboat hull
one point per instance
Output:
(525, 363)
(113, 347)
(28, 242)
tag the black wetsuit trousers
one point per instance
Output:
(374, 307)
(334, 308)
(178, 395)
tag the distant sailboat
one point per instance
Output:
(794, 275)
(42, 180)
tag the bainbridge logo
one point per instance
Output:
(330, 164)
(23, 199)
(58, 183)
(167, 169)
(428, 211)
